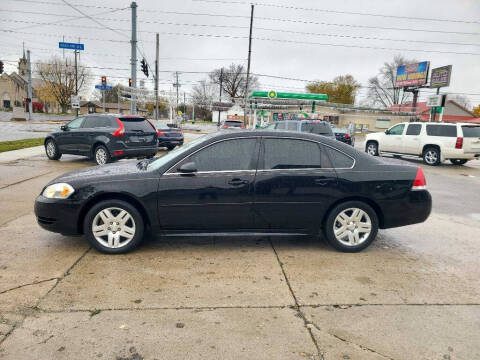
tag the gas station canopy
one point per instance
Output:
(287, 95)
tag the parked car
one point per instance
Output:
(434, 142)
(343, 135)
(319, 127)
(232, 124)
(242, 182)
(104, 137)
(168, 137)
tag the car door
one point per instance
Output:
(294, 186)
(65, 140)
(90, 128)
(411, 140)
(218, 196)
(392, 142)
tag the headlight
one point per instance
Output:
(58, 191)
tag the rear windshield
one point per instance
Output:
(471, 131)
(136, 124)
(442, 130)
(234, 123)
(317, 128)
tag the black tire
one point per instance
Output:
(51, 149)
(170, 147)
(101, 155)
(120, 204)
(371, 148)
(431, 156)
(458, 161)
(328, 228)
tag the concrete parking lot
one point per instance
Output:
(414, 294)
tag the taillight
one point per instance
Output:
(459, 143)
(346, 136)
(242, 127)
(160, 133)
(121, 129)
(419, 183)
(224, 127)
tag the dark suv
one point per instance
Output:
(104, 137)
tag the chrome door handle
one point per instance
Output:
(238, 182)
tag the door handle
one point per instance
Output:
(238, 182)
(322, 182)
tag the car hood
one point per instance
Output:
(124, 169)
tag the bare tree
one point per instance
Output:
(461, 100)
(234, 80)
(203, 95)
(381, 89)
(58, 77)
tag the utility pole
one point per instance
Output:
(248, 66)
(29, 95)
(184, 105)
(177, 85)
(118, 98)
(156, 78)
(220, 96)
(133, 104)
(76, 80)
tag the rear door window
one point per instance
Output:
(471, 131)
(89, 122)
(282, 153)
(414, 129)
(338, 159)
(442, 130)
(317, 128)
(136, 125)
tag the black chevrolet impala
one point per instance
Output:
(242, 182)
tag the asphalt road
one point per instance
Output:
(414, 294)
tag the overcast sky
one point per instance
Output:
(280, 46)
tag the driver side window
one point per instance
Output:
(396, 130)
(75, 124)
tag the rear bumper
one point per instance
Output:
(413, 209)
(60, 216)
(459, 154)
(170, 141)
(133, 152)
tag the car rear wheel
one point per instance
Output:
(114, 227)
(458, 161)
(170, 147)
(351, 226)
(372, 148)
(51, 149)
(101, 155)
(431, 156)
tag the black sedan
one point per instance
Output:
(168, 137)
(344, 135)
(243, 182)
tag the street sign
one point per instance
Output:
(71, 46)
(103, 87)
(75, 100)
(434, 101)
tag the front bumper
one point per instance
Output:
(413, 209)
(60, 216)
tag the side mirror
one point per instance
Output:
(387, 132)
(188, 168)
(64, 127)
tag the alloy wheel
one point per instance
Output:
(352, 226)
(50, 149)
(113, 227)
(372, 149)
(101, 156)
(431, 157)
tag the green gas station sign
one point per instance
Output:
(285, 95)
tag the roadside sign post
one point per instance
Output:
(76, 47)
(439, 77)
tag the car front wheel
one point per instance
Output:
(372, 148)
(114, 227)
(431, 156)
(351, 226)
(101, 155)
(458, 161)
(51, 149)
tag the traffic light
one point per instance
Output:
(130, 82)
(144, 67)
(1, 67)
(104, 80)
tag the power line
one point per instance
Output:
(339, 12)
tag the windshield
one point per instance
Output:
(471, 131)
(162, 160)
(317, 128)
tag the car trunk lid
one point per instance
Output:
(138, 132)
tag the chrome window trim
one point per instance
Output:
(209, 172)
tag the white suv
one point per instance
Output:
(434, 142)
